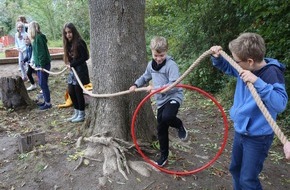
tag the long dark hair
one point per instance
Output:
(76, 39)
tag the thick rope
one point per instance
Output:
(47, 71)
(90, 93)
(253, 91)
(194, 64)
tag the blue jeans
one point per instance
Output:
(43, 83)
(248, 156)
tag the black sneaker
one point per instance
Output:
(161, 161)
(40, 104)
(182, 133)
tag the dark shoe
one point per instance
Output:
(182, 133)
(161, 161)
(45, 107)
(40, 104)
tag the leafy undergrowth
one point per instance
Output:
(51, 166)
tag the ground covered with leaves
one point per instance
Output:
(53, 165)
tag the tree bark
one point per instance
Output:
(118, 54)
(13, 93)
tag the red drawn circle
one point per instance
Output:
(225, 136)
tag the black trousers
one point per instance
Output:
(29, 74)
(77, 96)
(166, 116)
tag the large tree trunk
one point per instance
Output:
(13, 93)
(118, 54)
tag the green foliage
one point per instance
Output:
(50, 14)
(9, 11)
(56, 43)
(192, 27)
(271, 19)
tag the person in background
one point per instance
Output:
(41, 58)
(29, 61)
(22, 19)
(21, 47)
(163, 71)
(75, 56)
(253, 134)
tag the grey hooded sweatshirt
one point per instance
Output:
(165, 76)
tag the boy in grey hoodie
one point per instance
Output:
(163, 71)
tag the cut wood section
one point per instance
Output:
(11, 55)
(13, 93)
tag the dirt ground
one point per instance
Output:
(52, 165)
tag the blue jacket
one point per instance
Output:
(28, 56)
(270, 85)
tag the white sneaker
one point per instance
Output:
(32, 87)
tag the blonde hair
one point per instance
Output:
(248, 46)
(159, 44)
(33, 29)
(20, 24)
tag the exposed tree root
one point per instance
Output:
(114, 151)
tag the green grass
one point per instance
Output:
(57, 43)
(2, 55)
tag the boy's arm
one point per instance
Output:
(223, 65)
(146, 77)
(219, 62)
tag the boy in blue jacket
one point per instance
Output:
(253, 134)
(163, 71)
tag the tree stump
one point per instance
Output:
(13, 92)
